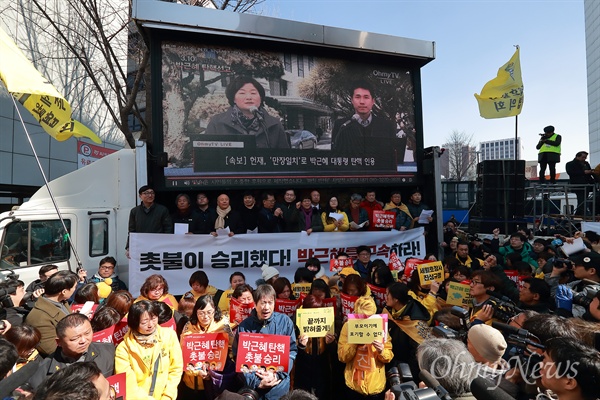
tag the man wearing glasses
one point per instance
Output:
(149, 217)
(481, 282)
(106, 270)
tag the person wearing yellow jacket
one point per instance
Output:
(331, 224)
(150, 356)
(365, 364)
(205, 318)
(156, 288)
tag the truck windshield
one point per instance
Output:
(35, 242)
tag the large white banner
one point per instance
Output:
(176, 257)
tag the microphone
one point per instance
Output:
(511, 329)
(353, 118)
(433, 383)
(484, 389)
(257, 114)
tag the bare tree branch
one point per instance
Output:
(462, 156)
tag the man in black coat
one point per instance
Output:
(580, 173)
(365, 133)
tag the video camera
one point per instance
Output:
(527, 361)
(404, 388)
(6, 289)
(585, 298)
(504, 308)
(444, 331)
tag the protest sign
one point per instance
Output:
(458, 295)
(205, 349)
(431, 271)
(268, 352)
(384, 219)
(238, 311)
(287, 307)
(365, 330)
(315, 322)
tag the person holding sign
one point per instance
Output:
(404, 219)
(365, 364)
(408, 326)
(334, 220)
(149, 354)
(270, 385)
(206, 318)
(313, 372)
(357, 216)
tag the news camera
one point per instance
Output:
(404, 388)
(6, 289)
(585, 297)
(520, 356)
(444, 331)
(504, 308)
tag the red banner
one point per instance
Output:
(260, 351)
(170, 324)
(347, 304)
(379, 294)
(78, 307)
(411, 265)
(336, 265)
(238, 311)
(330, 302)
(209, 349)
(287, 307)
(395, 263)
(513, 275)
(118, 384)
(105, 335)
(120, 330)
(384, 219)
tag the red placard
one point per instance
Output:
(411, 265)
(513, 275)
(336, 265)
(257, 351)
(118, 383)
(238, 311)
(287, 307)
(347, 304)
(395, 263)
(78, 307)
(384, 219)
(170, 324)
(379, 294)
(121, 328)
(105, 335)
(330, 302)
(209, 349)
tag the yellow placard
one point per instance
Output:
(428, 272)
(458, 295)
(315, 322)
(300, 288)
(365, 331)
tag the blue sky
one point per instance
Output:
(473, 39)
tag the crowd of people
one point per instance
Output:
(531, 327)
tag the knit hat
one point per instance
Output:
(348, 271)
(488, 342)
(268, 272)
(365, 305)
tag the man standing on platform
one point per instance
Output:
(580, 173)
(549, 153)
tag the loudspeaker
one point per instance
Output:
(500, 192)
(501, 167)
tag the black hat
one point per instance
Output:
(588, 260)
(549, 129)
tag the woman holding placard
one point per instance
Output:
(365, 363)
(197, 381)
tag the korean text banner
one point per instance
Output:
(176, 257)
(37, 94)
(503, 96)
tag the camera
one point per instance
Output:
(249, 393)
(585, 297)
(558, 263)
(503, 310)
(405, 389)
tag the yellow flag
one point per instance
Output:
(503, 96)
(37, 94)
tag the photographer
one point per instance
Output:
(481, 282)
(571, 369)
(535, 295)
(10, 308)
(586, 269)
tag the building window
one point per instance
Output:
(300, 66)
(287, 62)
(311, 63)
(135, 125)
(98, 237)
(278, 87)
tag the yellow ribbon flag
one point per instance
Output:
(503, 96)
(38, 96)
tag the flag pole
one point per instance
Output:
(46, 183)
(515, 207)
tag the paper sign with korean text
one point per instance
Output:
(261, 351)
(238, 311)
(458, 295)
(395, 263)
(118, 383)
(513, 275)
(364, 331)
(336, 265)
(383, 316)
(411, 264)
(287, 307)
(384, 219)
(379, 294)
(300, 289)
(431, 271)
(315, 322)
(121, 329)
(347, 304)
(205, 349)
(78, 307)
(105, 335)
